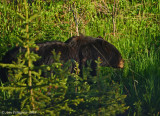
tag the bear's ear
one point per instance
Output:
(73, 38)
(99, 37)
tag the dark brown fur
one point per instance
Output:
(44, 51)
(80, 48)
(88, 48)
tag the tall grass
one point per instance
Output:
(137, 37)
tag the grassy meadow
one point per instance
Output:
(133, 26)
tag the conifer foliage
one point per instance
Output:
(63, 92)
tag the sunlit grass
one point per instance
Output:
(137, 38)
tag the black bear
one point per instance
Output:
(80, 48)
(88, 48)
